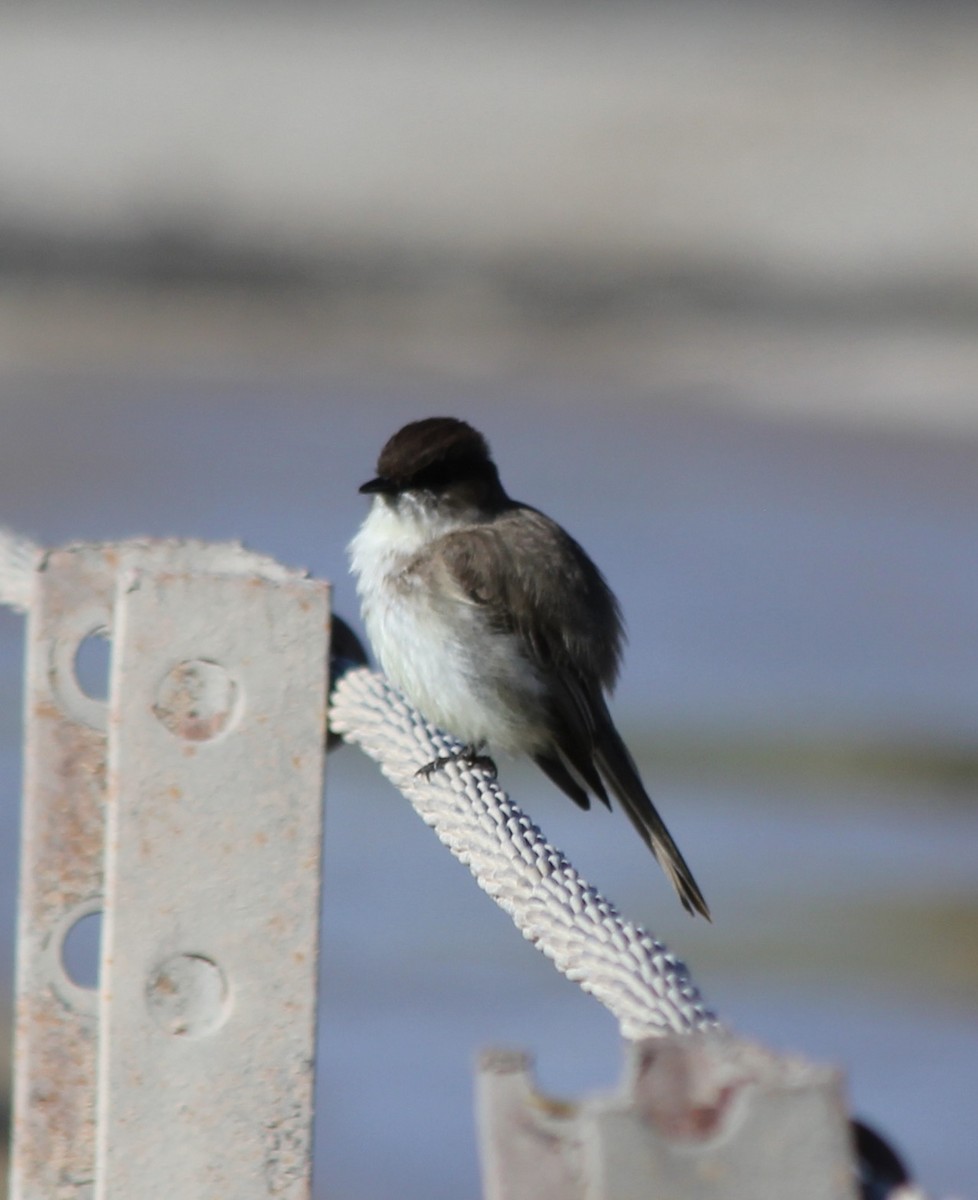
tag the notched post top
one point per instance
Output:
(704, 1117)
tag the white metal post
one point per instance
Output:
(217, 727)
(702, 1116)
(201, 1037)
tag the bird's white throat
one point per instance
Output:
(390, 536)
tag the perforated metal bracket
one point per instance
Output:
(189, 808)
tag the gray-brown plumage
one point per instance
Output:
(495, 623)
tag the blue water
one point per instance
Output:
(421, 970)
(777, 579)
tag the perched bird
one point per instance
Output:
(496, 625)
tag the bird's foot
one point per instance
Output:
(467, 756)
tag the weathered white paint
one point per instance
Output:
(703, 1117)
(216, 641)
(217, 727)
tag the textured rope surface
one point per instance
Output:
(628, 970)
(17, 558)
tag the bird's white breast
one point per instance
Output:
(433, 644)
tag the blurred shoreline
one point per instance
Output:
(770, 205)
(829, 144)
(913, 373)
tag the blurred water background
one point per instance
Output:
(707, 277)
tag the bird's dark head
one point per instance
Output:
(442, 458)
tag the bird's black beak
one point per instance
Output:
(379, 485)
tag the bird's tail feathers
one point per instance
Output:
(619, 771)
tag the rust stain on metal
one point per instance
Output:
(552, 1106)
(687, 1091)
(63, 846)
(61, 881)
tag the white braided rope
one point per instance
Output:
(632, 973)
(18, 556)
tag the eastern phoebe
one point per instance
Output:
(496, 625)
